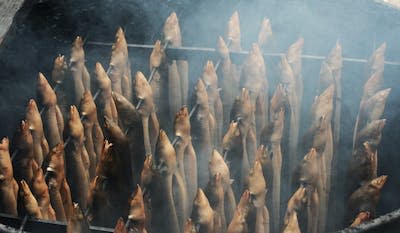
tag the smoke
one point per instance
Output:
(359, 26)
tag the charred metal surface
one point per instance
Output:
(388, 223)
(43, 226)
(8, 8)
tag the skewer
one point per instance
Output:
(127, 223)
(225, 155)
(193, 110)
(24, 220)
(41, 225)
(9, 229)
(175, 141)
(85, 216)
(386, 223)
(179, 52)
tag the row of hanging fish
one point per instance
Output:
(114, 157)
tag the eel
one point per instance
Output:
(8, 185)
(40, 144)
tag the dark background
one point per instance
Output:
(43, 29)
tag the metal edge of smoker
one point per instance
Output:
(388, 223)
(43, 226)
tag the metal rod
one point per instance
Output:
(174, 141)
(139, 104)
(225, 155)
(127, 130)
(193, 110)
(386, 223)
(41, 111)
(24, 220)
(96, 94)
(45, 226)
(128, 222)
(14, 154)
(190, 51)
(8, 229)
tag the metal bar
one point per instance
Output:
(174, 141)
(44, 226)
(184, 52)
(8, 229)
(388, 223)
(225, 155)
(128, 222)
(24, 220)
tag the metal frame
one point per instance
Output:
(237, 57)
(41, 226)
(388, 223)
